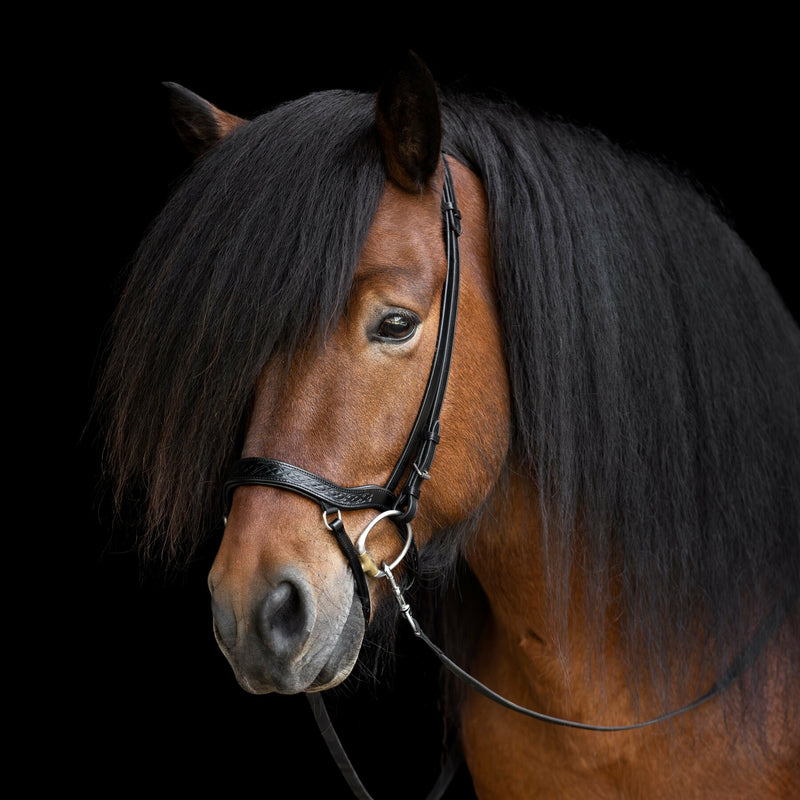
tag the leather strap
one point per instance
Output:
(454, 757)
(269, 472)
(359, 576)
(420, 446)
(766, 630)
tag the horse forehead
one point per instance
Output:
(404, 223)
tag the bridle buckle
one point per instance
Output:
(328, 511)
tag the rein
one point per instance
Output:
(400, 504)
(744, 660)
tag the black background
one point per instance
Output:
(122, 684)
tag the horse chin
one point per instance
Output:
(343, 656)
(328, 658)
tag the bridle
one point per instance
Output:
(399, 503)
(393, 500)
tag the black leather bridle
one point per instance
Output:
(400, 504)
(414, 464)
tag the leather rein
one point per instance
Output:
(400, 504)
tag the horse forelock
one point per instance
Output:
(251, 259)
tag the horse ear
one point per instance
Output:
(409, 124)
(200, 125)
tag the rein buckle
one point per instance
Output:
(405, 608)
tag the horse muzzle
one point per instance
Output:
(281, 637)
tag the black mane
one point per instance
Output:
(654, 369)
(252, 256)
(655, 374)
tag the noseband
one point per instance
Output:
(393, 500)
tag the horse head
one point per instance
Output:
(285, 611)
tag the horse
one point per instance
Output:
(433, 357)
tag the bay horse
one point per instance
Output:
(349, 284)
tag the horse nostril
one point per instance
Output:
(284, 619)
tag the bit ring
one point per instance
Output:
(361, 545)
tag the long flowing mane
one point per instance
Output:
(655, 375)
(253, 255)
(654, 370)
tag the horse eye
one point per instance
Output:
(397, 326)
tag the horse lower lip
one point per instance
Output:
(345, 651)
(271, 679)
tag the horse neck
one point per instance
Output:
(552, 656)
(556, 645)
(545, 635)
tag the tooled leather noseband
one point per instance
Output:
(416, 459)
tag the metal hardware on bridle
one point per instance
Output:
(405, 608)
(414, 463)
(367, 563)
